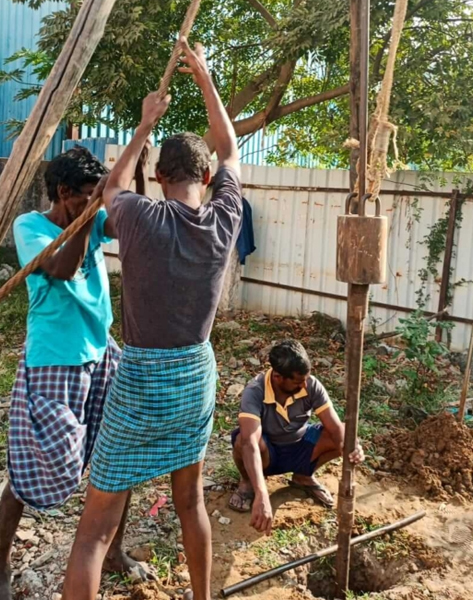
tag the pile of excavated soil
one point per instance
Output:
(438, 455)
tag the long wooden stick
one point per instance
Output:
(92, 210)
(50, 106)
(466, 381)
(357, 309)
(243, 585)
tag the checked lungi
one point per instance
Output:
(55, 416)
(158, 417)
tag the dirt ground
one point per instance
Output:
(437, 553)
(406, 471)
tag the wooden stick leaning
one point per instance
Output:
(91, 211)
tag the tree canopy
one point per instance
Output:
(279, 62)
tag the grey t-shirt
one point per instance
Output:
(283, 424)
(173, 263)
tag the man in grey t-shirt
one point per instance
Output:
(275, 437)
(158, 416)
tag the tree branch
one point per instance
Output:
(264, 12)
(285, 76)
(255, 122)
(387, 38)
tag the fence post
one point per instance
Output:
(447, 260)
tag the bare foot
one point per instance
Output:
(242, 499)
(119, 562)
(314, 489)
(5, 588)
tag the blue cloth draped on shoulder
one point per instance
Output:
(246, 240)
(158, 417)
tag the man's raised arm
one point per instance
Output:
(123, 172)
(221, 126)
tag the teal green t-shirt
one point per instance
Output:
(68, 321)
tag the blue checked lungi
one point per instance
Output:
(158, 417)
(55, 416)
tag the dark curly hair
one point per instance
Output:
(183, 157)
(289, 357)
(74, 169)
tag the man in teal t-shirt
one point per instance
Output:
(69, 357)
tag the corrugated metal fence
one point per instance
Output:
(295, 217)
(19, 25)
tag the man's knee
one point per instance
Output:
(102, 514)
(187, 488)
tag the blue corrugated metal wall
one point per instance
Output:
(19, 25)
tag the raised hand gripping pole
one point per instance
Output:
(91, 211)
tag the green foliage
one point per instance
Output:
(424, 388)
(164, 558)
(421, 348)
(430, 99)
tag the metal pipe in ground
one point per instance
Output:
(247, 583)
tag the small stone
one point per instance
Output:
(30, 582)
(48, 537)
(245, 343)
(379, 384)
(6, 271)
(401, 384)
(384, 350)
(184, 576)
(43, 559)
(301, 588)
(25, 534)
(310, 501)
(324, 362)
(233, 363)
(235, 390)
(224, 521)
(229, 325)
(397, 466)
(56, 596)
(217, 514)
(254, 361)
(433, 586)
(208, 483)
(142, 553)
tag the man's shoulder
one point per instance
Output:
(314, 387)
(255, 387)
(29, 219)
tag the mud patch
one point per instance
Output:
(367, 574)
(381, 565)
(438, 455)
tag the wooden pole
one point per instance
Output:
(357, 310)
(50, 106)
(447, 260)
(354, 87)
(466, 380)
